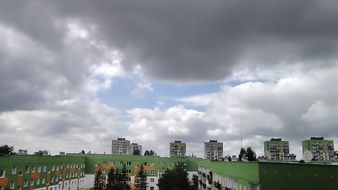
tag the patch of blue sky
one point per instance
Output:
(164, 95)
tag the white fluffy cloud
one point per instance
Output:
(293, 108)
(279, 73)
(71, 125)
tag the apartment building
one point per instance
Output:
(265, 176)
(135, 149)
(276, 149)
(320, 148)
(28, 172)
(77, 172)
(177, 149)
(121, 146)
(213, 150)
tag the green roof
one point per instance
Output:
(243, 171)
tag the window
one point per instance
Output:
(33, 169)
(152, 180)
(32, 182)
(52, 180)
(53, 168)
(27, 169)
(20, 173)
(152, 172)
(43, 181)
(44, 169)
(128, 163)
(12, 185)
(19, 188)
(38, 181)
(39, 168)
(61, 167)
(2, 173)
(14, 170)
(151, 188)
(67, 166)
(25, 184)
(57, 168)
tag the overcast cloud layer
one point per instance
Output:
(276, 63)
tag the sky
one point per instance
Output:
(76, 74)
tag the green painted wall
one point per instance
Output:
(192, 163)
(243, 171)
(281, 176)
(21, 162)
(269, 175)
(160, 163)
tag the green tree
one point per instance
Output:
(141, 183)
(39, 153)
(176, 179)
(251, 155)
(195, 182)
(112, 179)
(149, 153)
(6, 150)
(146, 153)
(98, 181)
(242, 154)
(136, 152)
(218, 185)
(124, 179)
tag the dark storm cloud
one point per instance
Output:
(171, 40)
(205, 40)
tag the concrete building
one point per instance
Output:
(213, 150)
(178, 149)
(135, 149)
(77, 172)
(276, 149)
(265, 176)
(320, 148)
(120, 146)
(29, 172)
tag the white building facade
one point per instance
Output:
(213, 150)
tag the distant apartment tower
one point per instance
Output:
(276, 149)
(135, 149)
(213, 150)
(177, 149)
(121, 146)
(320, 148)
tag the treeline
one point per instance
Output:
(176, 178)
